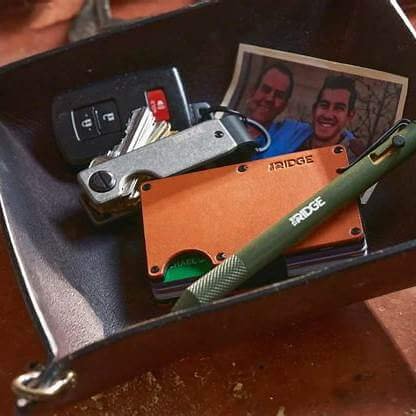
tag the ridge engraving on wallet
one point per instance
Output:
(290, 163)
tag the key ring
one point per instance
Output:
(263, 131)
(245, 120)
(22, 386)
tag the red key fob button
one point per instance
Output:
(157, 102)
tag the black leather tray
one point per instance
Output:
(84, 285)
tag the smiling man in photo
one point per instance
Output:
(271, 94)
(268, 99)
(333, 109)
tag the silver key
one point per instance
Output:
(142, 129)
(161, 130)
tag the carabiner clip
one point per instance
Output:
(219, 108)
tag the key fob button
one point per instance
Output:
(107, 117)
(84, 123)
(158, 103)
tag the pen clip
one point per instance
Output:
(396, 127)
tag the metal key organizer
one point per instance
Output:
(84, 287)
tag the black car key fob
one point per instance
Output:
(91, 120)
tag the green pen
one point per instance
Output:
(393, 148)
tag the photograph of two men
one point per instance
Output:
(307, 103)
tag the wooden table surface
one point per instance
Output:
(360, 360)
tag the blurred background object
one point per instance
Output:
(97, 16)
(28, 27)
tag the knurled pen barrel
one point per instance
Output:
(299, 223)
